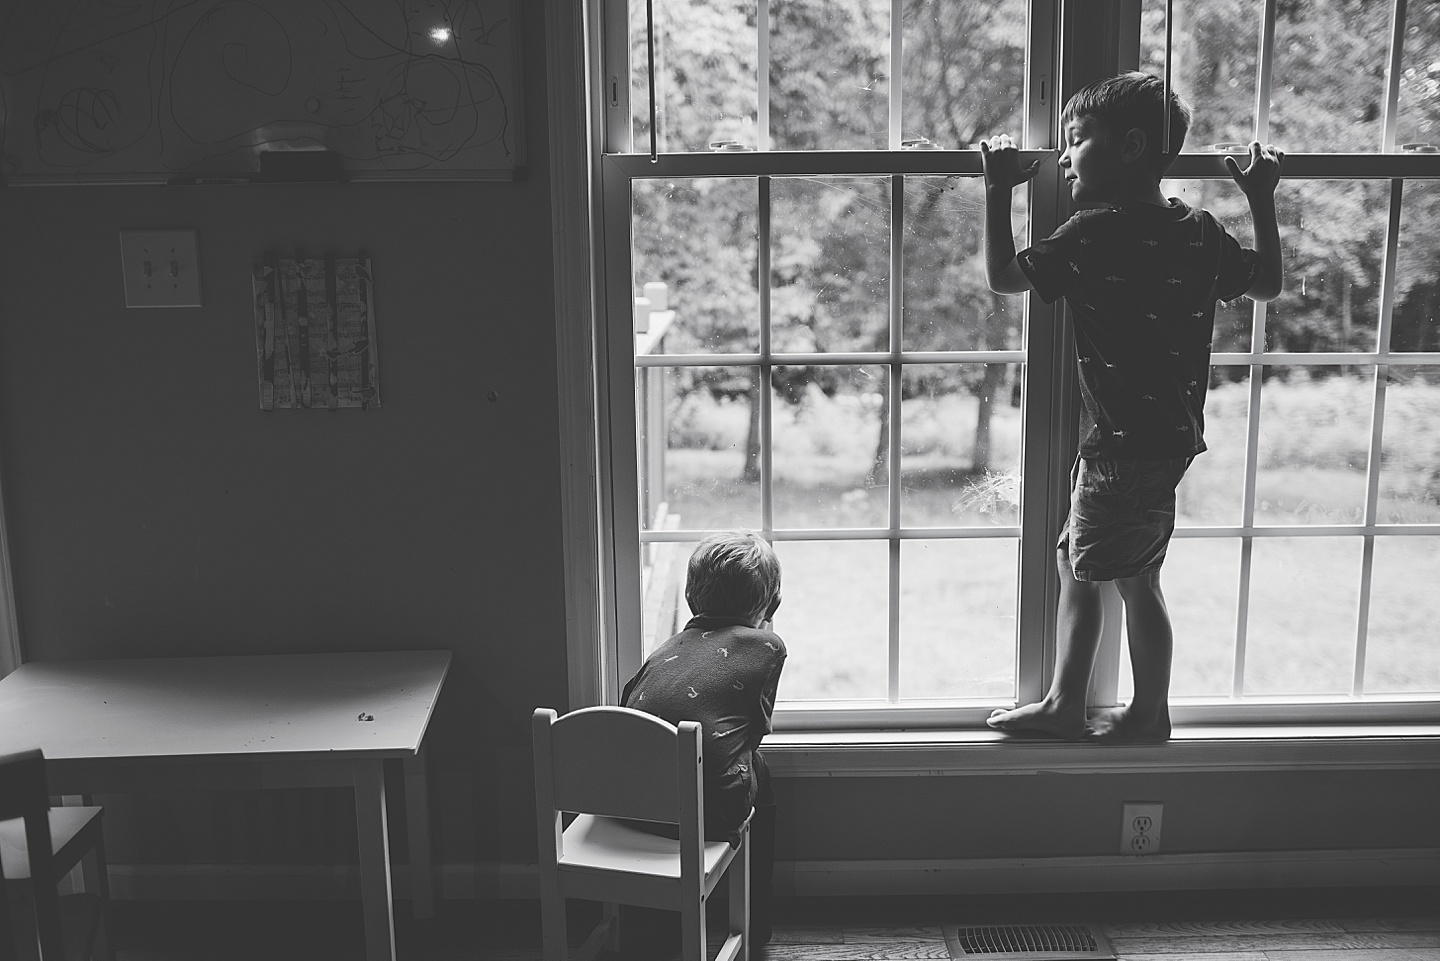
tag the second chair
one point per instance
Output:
(38, 845)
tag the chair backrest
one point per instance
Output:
(619, 762)
(25, 794)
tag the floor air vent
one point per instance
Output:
(1028, 942)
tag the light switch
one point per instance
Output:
(161, 267)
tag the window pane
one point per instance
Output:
(699, 238)
(957, 618)
(830, 443)
(1400, 652)
(830, 75)
(960, 445)
(1200, 579)
(833, 619)
(705, 66)
(1304, 602)
(1416, 319)
(948, 304)
(1213, 487)
(1333, 232)
(704, 474)
(1233, 318)
(1328, 92)
(1314, 445)
(1212, 65)
(663, 607)
(830, 270)
(964, 70)
(1410, 458)
(1419, 120)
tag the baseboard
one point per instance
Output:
(1398, 867)
(1229, 870)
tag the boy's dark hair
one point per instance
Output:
(1132, 100)
(733, 574)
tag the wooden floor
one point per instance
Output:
(1323, 925)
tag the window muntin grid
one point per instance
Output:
(861, 363)
(1242, 348)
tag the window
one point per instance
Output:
(1310, 526)
(798, 339)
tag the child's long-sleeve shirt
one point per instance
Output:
(1142, 282)
(723, 673)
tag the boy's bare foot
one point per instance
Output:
(1118, 725)
(1038, 718)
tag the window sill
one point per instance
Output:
(1311, 747)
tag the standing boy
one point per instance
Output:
(723, 670)
(1141, 275)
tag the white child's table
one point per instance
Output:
(258, 721)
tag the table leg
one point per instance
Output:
(375, 889)
(417, 825)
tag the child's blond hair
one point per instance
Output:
(1130, 101)
(733, 574)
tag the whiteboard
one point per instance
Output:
(155, 90)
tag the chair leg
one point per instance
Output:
(762, 872)
(97, 879)
(739, 892)
(610, 917)
(692, 930)
(554, 936)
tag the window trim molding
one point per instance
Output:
(874, 718)
(12, 655)
(569, 54)
(1317, 747)
(1050, 350)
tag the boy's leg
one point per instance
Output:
(1078, 621)
(762, 856)
(1152, 642)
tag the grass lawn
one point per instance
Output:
(957, 597)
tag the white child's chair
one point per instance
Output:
(604, 763)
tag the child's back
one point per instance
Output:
(1142, 282)
(722, 672)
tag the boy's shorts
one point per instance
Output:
(1122, 513)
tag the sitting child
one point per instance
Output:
(723, 670)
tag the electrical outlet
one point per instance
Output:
(161, 268)
(1140, 827)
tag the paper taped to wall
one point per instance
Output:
(315, 333)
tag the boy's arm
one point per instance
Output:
(1258, 182)
(769, 692)
(1001, 162)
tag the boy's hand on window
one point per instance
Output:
(1000, 159)
(1263, 173)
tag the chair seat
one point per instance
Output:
(68, 840)
(608, 844)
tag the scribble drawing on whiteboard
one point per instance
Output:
(426, 88)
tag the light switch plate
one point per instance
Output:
(161, 267)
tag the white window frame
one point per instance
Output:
(12, 655)
(599, 665)
(1388, 163)
(618, 169)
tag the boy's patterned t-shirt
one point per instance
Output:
(1142, 282)
(724, 673)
